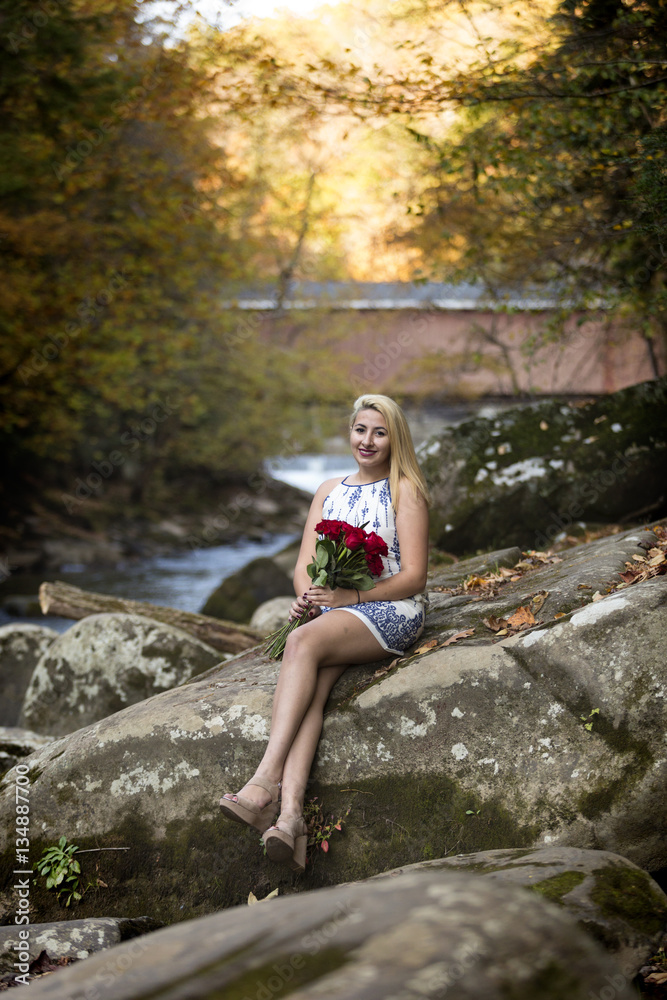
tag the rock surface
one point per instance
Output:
(534, 471)
(271, 615)
(15, 744)
(617, 903)
(240, 594)
(477, 745)
(69, 938)
(416, 937)
(21, 647)
(104, 663)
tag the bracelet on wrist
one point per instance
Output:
(358, 596)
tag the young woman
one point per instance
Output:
(388, 494)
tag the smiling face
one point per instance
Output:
(369, 440)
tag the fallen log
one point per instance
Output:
(60, 598)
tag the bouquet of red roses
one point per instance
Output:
(345, 556)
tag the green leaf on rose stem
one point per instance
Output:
(321, 579)
(321, 557)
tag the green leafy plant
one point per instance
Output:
(589, 719)
(62, 870)
(319, 830)
(473, 812)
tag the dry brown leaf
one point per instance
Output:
(539, 599)
(505, 572)
(473, 581)
(559, 614)
(495, 623)
(427, 645)
(597, 596)
(584, 586)
(513, 579)
(503, 631)
(455, 638)
(657, 978)
(640, 559)
(657, 559)
(522, 616)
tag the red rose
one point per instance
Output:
(331, 529)
(354, 537)
(375, 545)
(375, 566)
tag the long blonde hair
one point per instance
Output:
(402, 459)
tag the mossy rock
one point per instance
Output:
(240, 594)
(418, 936)
(533, 472)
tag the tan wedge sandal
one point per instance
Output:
(244, 810)
(288, 847)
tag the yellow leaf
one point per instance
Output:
(559, 614)
(427, 645)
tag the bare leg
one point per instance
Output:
(301, 754)
(336, 639)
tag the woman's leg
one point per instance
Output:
(335, 639)
(301, 754)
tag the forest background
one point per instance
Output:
(145, 175)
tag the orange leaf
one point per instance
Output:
(522, 616)
(559, 614)
(427, 645)
(455, 638)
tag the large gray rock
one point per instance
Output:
(617, 903)
(420, 936)
(17, 743)
(73, 939)
(533, 472)
(104, 663)
(467, 747)
(21, 647)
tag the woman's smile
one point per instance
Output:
(369, 440)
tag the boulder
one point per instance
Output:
(419, 936)
(271, 615)
(614, 901)
(17, 743)
(104, 663)
(73, 939)
(240, 594)
(531, 473)
(21, 647)
(477, 745)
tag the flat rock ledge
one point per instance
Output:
(412, 938)
(620, 905)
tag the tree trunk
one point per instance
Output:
(70, 602)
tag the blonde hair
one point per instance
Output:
(402, 459)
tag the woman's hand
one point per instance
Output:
(302, 608)
(340, 597)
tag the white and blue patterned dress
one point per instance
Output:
(395, 624)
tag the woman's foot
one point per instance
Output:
(255, 805)
(286, 841)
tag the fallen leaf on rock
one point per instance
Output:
(427, 645)
(559, 614)
(657, 978)
(539, 599)
(503, 631)
(584, 586)
(495, 623)
(597, 596)
(455, 638)
(522, 616)
(513, 579)
(385, 670)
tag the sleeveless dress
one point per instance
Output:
(395, 624)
